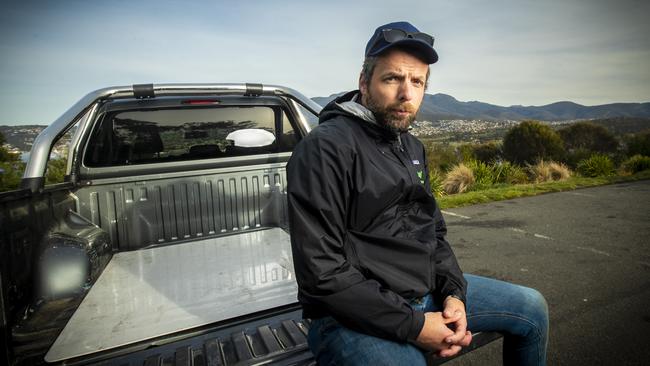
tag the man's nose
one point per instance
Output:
(405, 92)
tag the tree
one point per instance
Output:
(584, 139)
(488, 152)
(588, 136)
(5, 155)
(531, 141)
(11, 168)
(55, 171)
(439, 157)
(639, 144)
(11, 173)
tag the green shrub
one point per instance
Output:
(436, 180)
(466, 152)
(636, 164)
(11, 175)
(639, 144)
(487, 175)
(597, 165)
(483, 174)
(531, 141)
(575, 156)
(506, 172)
(55, 170)
(440, 157)
(488, 152)
(588, 136)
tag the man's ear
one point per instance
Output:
(363, 86)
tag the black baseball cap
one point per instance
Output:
(402, 34)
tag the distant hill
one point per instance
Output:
(442, 106)
(624, 125)
(324, 100)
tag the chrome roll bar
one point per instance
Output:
(34, 176)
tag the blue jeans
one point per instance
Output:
(520, 313)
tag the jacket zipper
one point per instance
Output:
(399, 142)
(402, 154)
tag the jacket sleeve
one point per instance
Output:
(319, 188)
(449, 278)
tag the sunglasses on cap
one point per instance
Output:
(394, 35)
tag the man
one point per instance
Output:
(375, 273)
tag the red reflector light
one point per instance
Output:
(201, 101)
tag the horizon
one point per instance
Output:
(462, 101)
(505, 53)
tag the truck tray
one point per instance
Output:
(153, 292)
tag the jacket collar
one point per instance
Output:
(348, 105)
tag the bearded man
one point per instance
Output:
(375, 272)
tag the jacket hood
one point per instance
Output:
(348, 105)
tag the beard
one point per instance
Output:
(388, 116)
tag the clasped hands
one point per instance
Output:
(445, 332)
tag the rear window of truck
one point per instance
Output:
(175, 134)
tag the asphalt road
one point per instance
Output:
(587, 251)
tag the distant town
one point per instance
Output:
(19, 140)
(469, 130)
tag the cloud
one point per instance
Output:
(503, 52)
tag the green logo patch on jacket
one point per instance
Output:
(421, 176)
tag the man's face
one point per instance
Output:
(396, 89)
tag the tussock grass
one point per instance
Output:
(533, 189)
(547, 171)
(459, 179)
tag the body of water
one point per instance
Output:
(24, 156)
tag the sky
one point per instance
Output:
(504, 52)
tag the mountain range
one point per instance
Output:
(443, 107)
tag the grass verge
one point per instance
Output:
(500, 193)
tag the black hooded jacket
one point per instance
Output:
(366, 232)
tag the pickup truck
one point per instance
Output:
(167, 243)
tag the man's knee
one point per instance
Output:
(538, 307)
(495, 305)
(533, 310)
